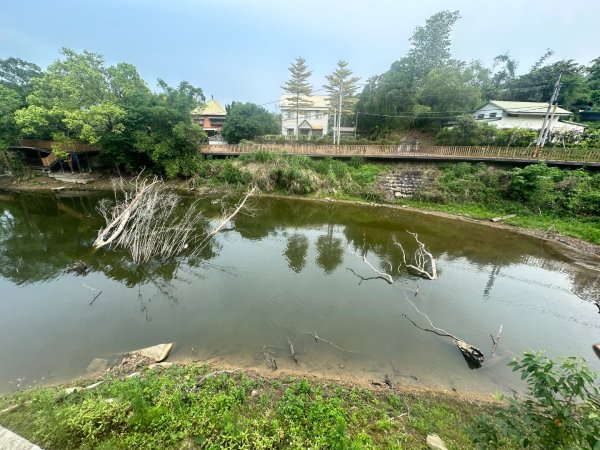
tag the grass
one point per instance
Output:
(587, 229)
(172, 409)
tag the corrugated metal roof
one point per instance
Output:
(526, 107)
(211, 108)
(316, 101)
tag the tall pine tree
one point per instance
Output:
(298, 87)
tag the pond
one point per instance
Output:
(286, 270)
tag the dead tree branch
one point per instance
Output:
(148, 221)
(317, 339)
(293, 354)
(385, 276)
(422, 258)
(228, 216)
(495, 341)
(97, 291)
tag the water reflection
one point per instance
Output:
(41, 235)
(276, 275)
(295, 252)
(330, 251)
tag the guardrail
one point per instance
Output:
(395, 151)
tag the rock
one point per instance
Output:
(97, 365)
(254, 393)
(92, 386)
(134, 374)
(157, 353)
(70, 390)
(434, 442)
(160, 365)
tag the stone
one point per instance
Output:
(92, 386)
(10, 440)
(160, 365)
(434, 442)
(157, 353)
(254, 393)
(97, 365)
(70, 390)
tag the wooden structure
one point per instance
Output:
(551, 155)
(37, 154)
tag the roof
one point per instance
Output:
(316, 101)
(211, 108)
(535, 108)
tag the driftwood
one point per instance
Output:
(384, 276)
(501, 218)
(148, 223)
(317, 339)
(293, 354)
(495, 341)
(96, 295)
(422, 258)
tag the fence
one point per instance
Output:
(394, 151)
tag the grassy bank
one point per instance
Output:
(542, 197)
(182, 407)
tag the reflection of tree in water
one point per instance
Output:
(295, 252)
(39, 239)
(330, 251)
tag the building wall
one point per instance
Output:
(503, 120)
(309, 114)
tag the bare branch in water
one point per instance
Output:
(421, 258)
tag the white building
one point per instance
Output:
(530, 115)
(313, 118)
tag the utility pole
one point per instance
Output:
(339, 122)
(355, 124)
(547, 124)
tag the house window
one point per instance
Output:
(480, 116)
(492, 115)
(290, 131)
(289, 115)
(308, 115)
(319, 115)
(512, 115)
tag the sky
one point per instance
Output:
(241, 50)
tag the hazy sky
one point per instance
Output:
(241, 50)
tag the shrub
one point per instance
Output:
(561, 410)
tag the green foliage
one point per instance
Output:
(534, 189)
(175, 409)
(561, 411)
(248, 121)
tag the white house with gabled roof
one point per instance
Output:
(313, 115)
(529, 115)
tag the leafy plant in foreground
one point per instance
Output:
(561, 411)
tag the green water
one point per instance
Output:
(282, 272)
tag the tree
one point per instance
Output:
(15, 84)
(394, 95)
(248, 121)
(431, 43)
(342, 87)
(17, 74)
(537, 85)
(298, 86)
(72, 99)
(449, 90)
(78, 98)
